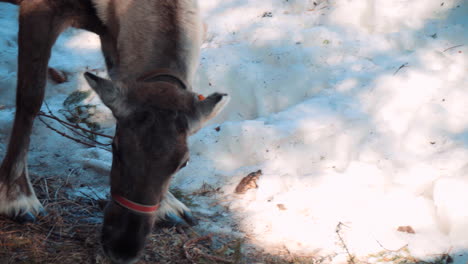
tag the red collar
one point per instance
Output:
(164, 74)
(135, 207)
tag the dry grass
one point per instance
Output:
(70, 234)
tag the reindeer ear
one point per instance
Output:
(110, 94)
(206, 109)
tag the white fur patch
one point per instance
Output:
(170, 204)
(21, 204)
(102, 7)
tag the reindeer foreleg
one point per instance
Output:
(39, 26)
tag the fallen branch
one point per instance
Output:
(79, 134)
(73, 128)
(65, 135)
(73, 125)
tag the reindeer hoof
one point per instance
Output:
(186, 219)
(23, 209)
(25, 218)
(189, 218)
(172, 220)
(172, 213)
(28, 217)
(42, 212)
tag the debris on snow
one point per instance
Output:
(57, 76)
(406, 229)
(248, 182)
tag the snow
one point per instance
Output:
(355, 111)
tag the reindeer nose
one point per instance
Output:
(119, 250)
(117, 259)
(123, 234)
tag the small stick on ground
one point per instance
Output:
(391, 250)
(454, 47)
(401, 67)
(338, 230)
(63, 184)
(46, 188)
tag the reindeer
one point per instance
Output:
(151, 49)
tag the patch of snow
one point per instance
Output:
(355, 111)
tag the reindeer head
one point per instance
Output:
(154, 120)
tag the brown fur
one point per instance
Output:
(40, 23)
(154, 114)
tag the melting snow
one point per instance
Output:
(355, 111)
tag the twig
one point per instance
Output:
(211, 257)
(48, 234)
(454, 47)
(46, 189)
(401, 67)
(67, 136)
(338, 230)
(73, 125)
(91, 198)
(83, 135)
(390, 250)
(191, 245)
(66, 182)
